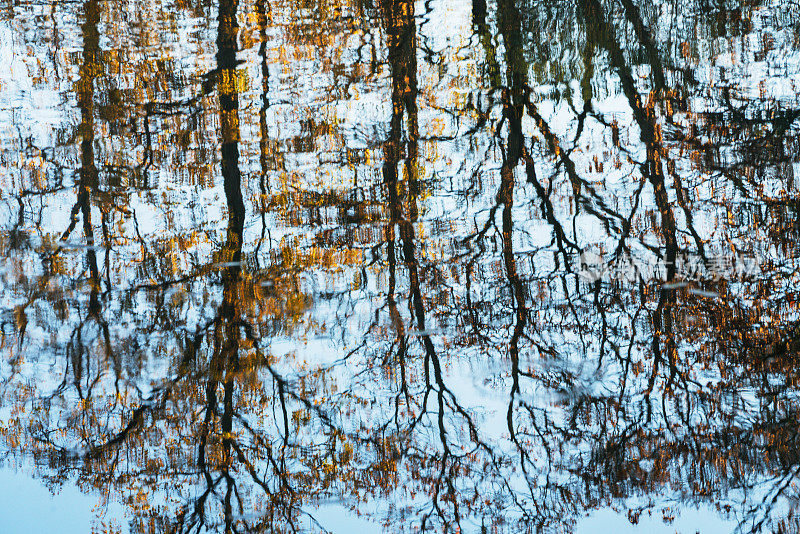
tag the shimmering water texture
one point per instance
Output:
(305, 266)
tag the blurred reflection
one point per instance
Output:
(262, 257)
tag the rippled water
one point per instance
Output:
(379, 265)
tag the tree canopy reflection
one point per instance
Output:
(267, 256)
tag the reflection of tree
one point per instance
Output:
(111, 455)
(442, 464)
(602, 391)
(630, 416)
(634, 439)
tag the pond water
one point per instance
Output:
(394, 266)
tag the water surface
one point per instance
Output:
(382, 265)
